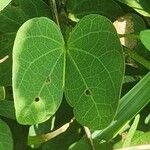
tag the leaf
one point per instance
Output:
(7, 109)
(139, 138)
(84, 144)
(38, 56)
(141, 6)
(41, 71)
(85, 7)
(4, 3)
(133, 78)
(145, 38)
(2, 93)
(131, 132)
(6, 141)
(11, 18)
(64, 140)
(131, 103)
(93, 76)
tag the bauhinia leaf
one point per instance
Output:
(145, 38)
(4, 3)
(37, 70)
(6, 141)
(90, 69)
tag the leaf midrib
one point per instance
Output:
(76, 66)
(88, 53)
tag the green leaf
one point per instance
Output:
(139, 138)
(61, 141)
(38, 56)
(85, 7)
(7, 109)
(4, 3)
(11, 18)
(129, 78)
(2, 93)
(131, 132)
(145, 38)
(86, 70)
(93, 76)
(6, 141)
(131, 103)
(84, 144)
(141, 6)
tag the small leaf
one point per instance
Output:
(131, 132)
(38, 54)
(145, 38)
(6, 141)
(94, 71)
(85, 7)
(4, 3)
(141, 6)
(7, 109)
(2, 93)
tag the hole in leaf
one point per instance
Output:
(48, 80)
(37, 99)
(87, 92)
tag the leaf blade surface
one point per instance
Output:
(37, 70)
(94, 71)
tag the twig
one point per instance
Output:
(54, 7)
(89, 136)
(3, 59)
(33, 140)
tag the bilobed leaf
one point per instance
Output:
(86, 68)
(4, 3)
(94, 71)
(11, 18)
(141, 6)
(145, 38)
(38, 56)
(6, 141)
(85, 7)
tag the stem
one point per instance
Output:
(89, 136)
(131, 36)
(134, 55)
(34, 140)
(54, 8)
(3, 59)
